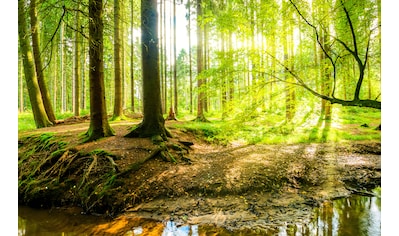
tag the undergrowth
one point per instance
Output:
(347, 124)
(50, 174)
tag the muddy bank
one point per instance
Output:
(237, 187)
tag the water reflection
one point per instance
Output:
(357, 215)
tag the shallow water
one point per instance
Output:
(356, 215)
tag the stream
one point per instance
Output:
(355, 215)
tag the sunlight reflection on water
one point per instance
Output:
(356, 215)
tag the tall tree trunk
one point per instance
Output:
(153, 123)
(38, 62)
(165, 67)
(122, 49)
(35, 97)
(21, 86)
(172, 113)
(118, 108)
(62, 72)
(161, 54)
(77, 63)
(99, 126)
(190, 56)
(83, 76)
(205, 53)
(55, 76)
(200, 66)
(174, 60)
(173, 82)
(325, 80)
(132, 82)
(288, 49)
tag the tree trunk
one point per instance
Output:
(118, 108)
(190, 55)
(62, 72)
(122, 49)
(165, 67)
(83, 73)
(99, 126)
(173, 82)
(153, 123)
(174, 60)
(200, 66)
(21, 86)
(39, 112)
(132, 90)
(77, 63)
(38, 62)
(161, 55)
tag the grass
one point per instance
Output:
(27, 122)
(270, 128)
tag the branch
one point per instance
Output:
(333, 63)
(52, 37)
(356, 102)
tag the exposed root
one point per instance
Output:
(87, 172)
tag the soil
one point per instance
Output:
(235, 186)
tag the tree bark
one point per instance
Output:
(190, 55)
(99, 126)
(153, 123)
(39, 112)
(118, 108)
(174, 59)
(76, 108)
(200, 66)
(38, 62)
(132, 82)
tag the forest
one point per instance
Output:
(157, 90)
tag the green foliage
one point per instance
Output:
(26, 122)
(270, 128)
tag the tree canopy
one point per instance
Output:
(215, 57)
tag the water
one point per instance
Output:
(356, 215)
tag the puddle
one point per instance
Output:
(356, 215)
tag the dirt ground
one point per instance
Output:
(235, 186)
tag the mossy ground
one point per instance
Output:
(117, 174)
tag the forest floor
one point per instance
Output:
(235, 186)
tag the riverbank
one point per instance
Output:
(234, 186)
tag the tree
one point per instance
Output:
(153, 124)
(76, 104)
(38, 62)
(173, 99)
(99, 126)
(118, 106)
(200, 66)
(360, 55)
(39, 112)
(189, 54)
(132, 92)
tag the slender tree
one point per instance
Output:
(200, 66)
(173, 87)
(35, 97)
(118, 106)
(99, 126)
(76, 105)
(153, 124)
(132, 82)
(190, 55)
(38, 61)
